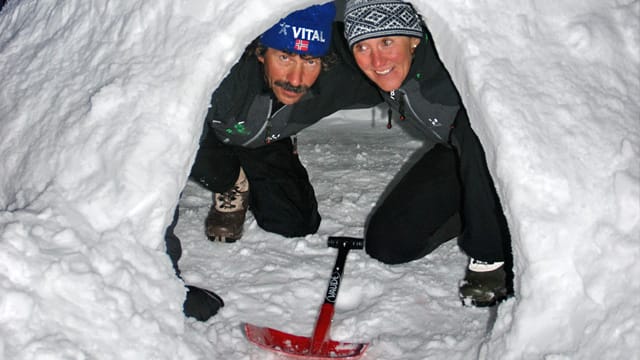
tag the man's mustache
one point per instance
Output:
(300, 89)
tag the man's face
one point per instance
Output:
(289, 75)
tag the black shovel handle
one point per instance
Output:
(344, 244)
(321, 332)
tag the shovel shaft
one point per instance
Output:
(336, 277)
(323, 323)
(321, 332)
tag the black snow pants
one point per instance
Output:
(447, 193)
(281, 197)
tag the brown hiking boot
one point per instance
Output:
(225, 221)
(484, 284)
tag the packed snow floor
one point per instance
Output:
(406, 311)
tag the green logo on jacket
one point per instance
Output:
(237, 129)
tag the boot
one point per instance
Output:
(225, 221)
(484, 284)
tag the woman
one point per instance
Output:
(449, 191)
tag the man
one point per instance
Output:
(288, 79)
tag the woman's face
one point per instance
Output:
(386, 60)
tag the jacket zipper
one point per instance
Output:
(401, 102)
(392, 94)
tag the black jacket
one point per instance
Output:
(240, 112)
(427, 98)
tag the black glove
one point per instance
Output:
(201, 303)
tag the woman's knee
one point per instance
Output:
(382, 245)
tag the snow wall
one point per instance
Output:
(101, 107)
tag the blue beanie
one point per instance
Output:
(304, 32)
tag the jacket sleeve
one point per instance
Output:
(239, 110)
(229, 99)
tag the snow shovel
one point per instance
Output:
(319, 345)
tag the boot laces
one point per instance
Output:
(229, 199)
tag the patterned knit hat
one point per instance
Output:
(304, 32)
(366, 19)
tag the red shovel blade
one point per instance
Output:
(300, 346)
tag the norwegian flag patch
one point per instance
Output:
(301, 45)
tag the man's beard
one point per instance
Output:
(300, 89)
